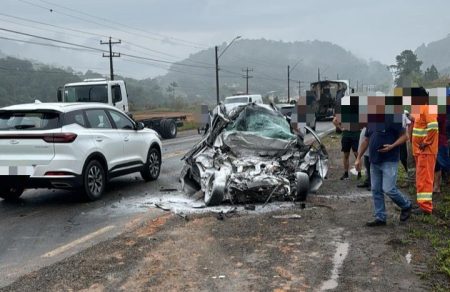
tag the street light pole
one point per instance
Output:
(217, 56)
(289, 78)
(217, 75)
(289, 86)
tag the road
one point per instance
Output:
(46, 226)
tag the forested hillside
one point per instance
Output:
(436, 53)
(192, 80)
(269, 61)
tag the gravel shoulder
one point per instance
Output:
(324, 247)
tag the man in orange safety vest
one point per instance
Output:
(425, 149)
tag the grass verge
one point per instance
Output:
(433, 231)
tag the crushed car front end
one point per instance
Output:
(251, 154)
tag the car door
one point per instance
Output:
(108, 140)
(116, 95)
(134, 142)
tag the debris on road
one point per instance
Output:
(251, 154)
(287, 216)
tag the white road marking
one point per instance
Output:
(181, 140)
(174, 154)
(338, 260)
(74, 243)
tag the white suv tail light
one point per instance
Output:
(60, 137)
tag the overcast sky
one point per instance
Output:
(376, 30)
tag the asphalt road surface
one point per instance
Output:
(46, 226)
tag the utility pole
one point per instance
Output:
(247, 77)
(337, 76)
(111, 55)
(318, 74)
(289, 85)
(217, 74)
(299, 87)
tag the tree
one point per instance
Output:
(407, 69)
(431, 74)
(171, 88)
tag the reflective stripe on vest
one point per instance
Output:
(432, 126)
(419, 132)
(424, 196)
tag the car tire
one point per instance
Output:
(94, 180)
(214, 193)
(11, 194)
(302, 184)
(152, 166)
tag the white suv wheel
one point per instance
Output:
(94, 180)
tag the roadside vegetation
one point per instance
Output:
(430, 236)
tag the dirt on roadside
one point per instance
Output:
(323, 247)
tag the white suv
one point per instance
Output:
(72, 145)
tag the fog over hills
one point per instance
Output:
(194, 77)
(269, 60)
(436, 53)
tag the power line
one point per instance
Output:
(50, 39)
(82, 32)
(103, 51)
(52, 25)
(124, 25)
(51, 10)
(44, 44)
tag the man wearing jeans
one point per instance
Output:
(383, 140)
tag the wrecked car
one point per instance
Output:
(252, 154)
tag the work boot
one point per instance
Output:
(345, 176)
(375, 223)
(405, 214)
(364, 184)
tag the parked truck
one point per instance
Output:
(325, 95)
(114, 92)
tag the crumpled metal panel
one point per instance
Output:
(251, 155)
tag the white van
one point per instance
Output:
(236, 100)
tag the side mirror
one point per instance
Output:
(140, 126)
(59, 94)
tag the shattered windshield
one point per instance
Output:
(263, 122)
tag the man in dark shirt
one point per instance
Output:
(383, 140)
(349, 141)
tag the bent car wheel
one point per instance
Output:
(94, 180)
(302, 183)
(153, 165)
(11, 194)
(215, 192)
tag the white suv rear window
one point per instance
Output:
(12, 120)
